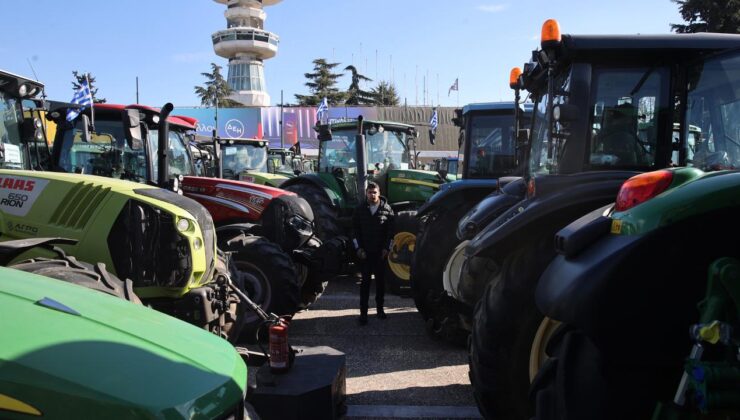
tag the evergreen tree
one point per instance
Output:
(708, 16)
(215, 89)
(322, 84)
(355, 94)
(385, 94)
(79, 78)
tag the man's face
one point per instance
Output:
(373, 195)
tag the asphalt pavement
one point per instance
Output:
(394, 369)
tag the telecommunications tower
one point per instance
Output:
(246, 45)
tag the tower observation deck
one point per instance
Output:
(246, 45)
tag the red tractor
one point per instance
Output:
(268, 230)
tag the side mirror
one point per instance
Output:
(324, 132)
(522, 136)
(132, 128)
(85, 121)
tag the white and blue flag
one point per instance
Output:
(433, 123)
(322, 112)
(81, 97)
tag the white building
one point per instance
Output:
(246, 45)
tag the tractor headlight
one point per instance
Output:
(197, 243)
(183, 225)
(301, 224)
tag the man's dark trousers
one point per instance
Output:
(372, 264)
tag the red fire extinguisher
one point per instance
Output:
(279, 349)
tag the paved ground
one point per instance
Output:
(394, 370)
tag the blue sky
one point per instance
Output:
(167, 44)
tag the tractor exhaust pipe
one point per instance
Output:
(361, 158)
(163, 145)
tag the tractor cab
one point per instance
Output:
(387, 156)
(246, 160)
(103, 146)
(286, 162)
(22, 139)
(488, 139)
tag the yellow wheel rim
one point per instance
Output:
(399, 259)
(537, 355)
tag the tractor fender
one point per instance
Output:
(532, 220)
(455, 193)
(639, 288)
(9, 250)
(328, 184)
(489, 208)
(554, 206)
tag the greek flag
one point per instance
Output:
(322, 112)
(433, 126)
(82, 97)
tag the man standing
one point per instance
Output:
(372, 221)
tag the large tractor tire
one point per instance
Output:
(574, 361)
(266, 275)
(326, 219)
(506, 321)
(70, 270)
(398, 275)
(313, 280)
(435, 243)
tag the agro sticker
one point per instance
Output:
(616, 226)
(18, 193)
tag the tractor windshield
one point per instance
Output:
(492, 149)
(240, 157)
(178, 156)
(712, 135)
(623, 111)
(386, 147)
(105, 153)
(10, 133)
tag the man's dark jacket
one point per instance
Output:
(373, 231)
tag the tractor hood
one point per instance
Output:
(228, 200)
(71, 352)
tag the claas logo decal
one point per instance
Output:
(17, 194)
(17, 184)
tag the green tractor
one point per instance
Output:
(287, 162)
(69, 352)
(384, 155)
(629, 277)
(605, 108)
(246, 160)
(163, 243)
(352, 153)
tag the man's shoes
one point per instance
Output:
(362, 320)
(381, 314)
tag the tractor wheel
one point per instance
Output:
(435, 243)
(264, 273)
(405, 228)
(326, 220)
(69, 269)
(571, 384)
(505, 323)
(313, 281)
(538, 355)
